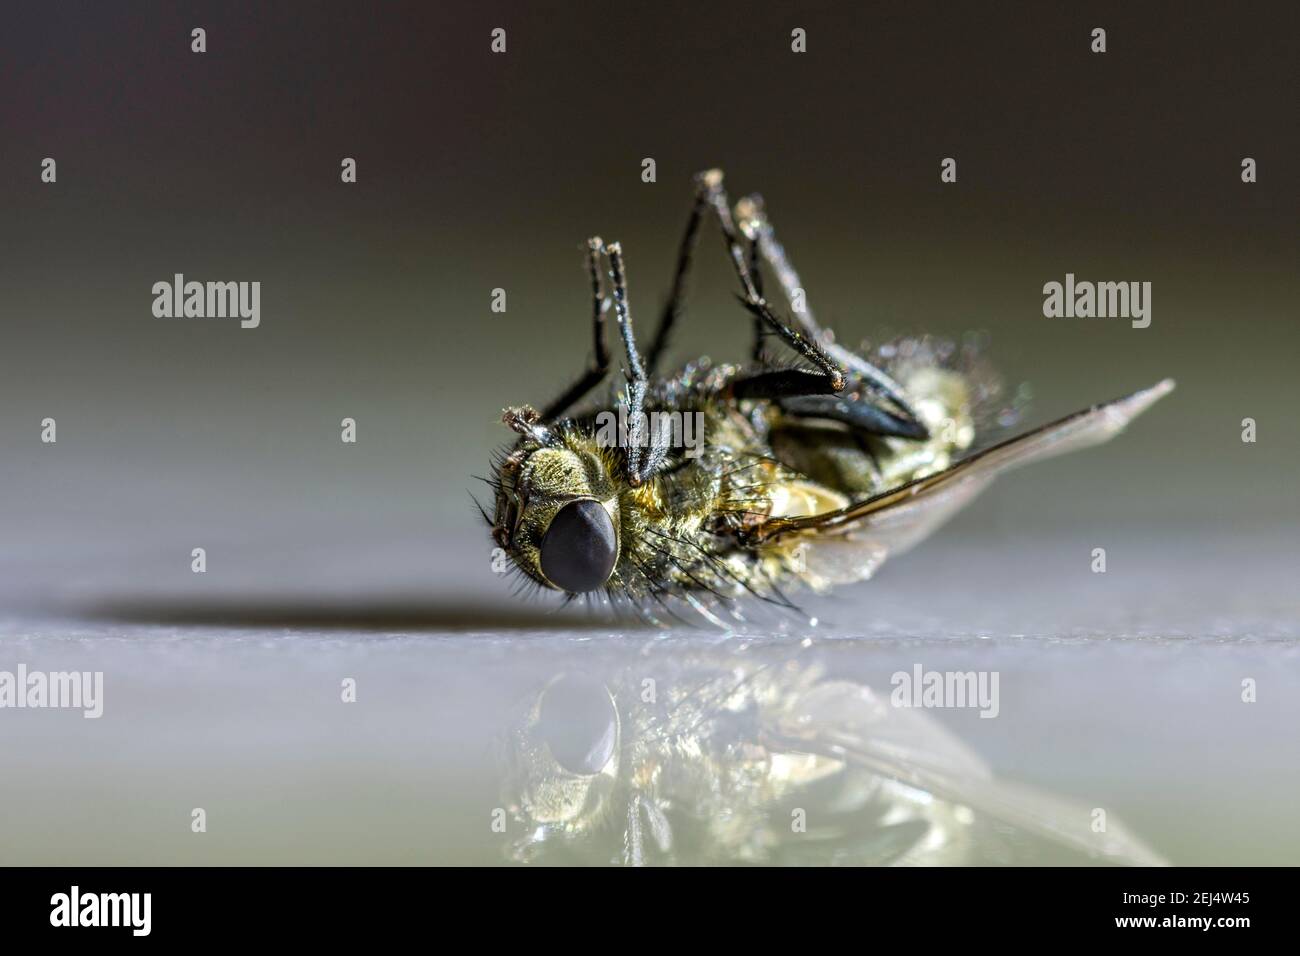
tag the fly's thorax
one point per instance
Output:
(661, 528)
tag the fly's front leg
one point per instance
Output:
(639, 465)
(600, 357)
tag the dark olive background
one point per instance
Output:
(479, 170)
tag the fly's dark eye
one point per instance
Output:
(579, 548)
(579, 724)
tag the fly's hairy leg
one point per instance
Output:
(757, 227)
(600, 357)
(759, 354)
(685, 258)
(677, 295)
(828, 377)
(644, 453)
(861, 416)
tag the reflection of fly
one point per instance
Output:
(811, 474)
(692, 759)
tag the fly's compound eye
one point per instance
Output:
(579, 723)
(580, 546)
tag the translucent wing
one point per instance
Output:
(849, 544)
(982, 817)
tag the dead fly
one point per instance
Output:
(811, 471)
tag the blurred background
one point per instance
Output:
(478, 171)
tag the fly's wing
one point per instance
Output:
(851, 543)
(970, 812)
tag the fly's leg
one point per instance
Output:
(754, 270)
(600, 359)
(759, 354)
(828, 377)
(685, 256)
(639, 466)
(751, 218)
(861, 416)
(758, 229)
(782, 383)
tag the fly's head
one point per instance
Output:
(557, 512)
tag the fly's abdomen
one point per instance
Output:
(859, 464)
